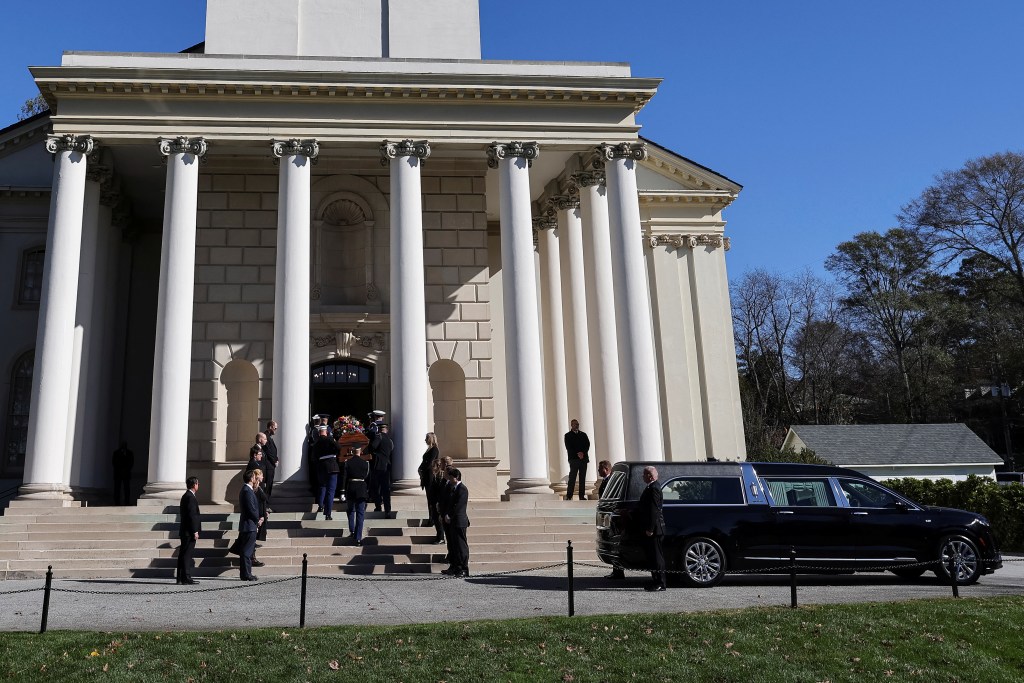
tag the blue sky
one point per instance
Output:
(831, 113)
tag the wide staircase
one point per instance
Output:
(142, 542)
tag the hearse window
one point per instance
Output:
(703, 491)
(800, 492)
(615, 486)
(861, 494)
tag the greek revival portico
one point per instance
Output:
(493, 240)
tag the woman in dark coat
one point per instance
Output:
(437, 489)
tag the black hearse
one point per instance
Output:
(723, 516)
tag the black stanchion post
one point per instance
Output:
(302, 606)
(572, 602)
(952, 577)
(46, 598)
(792, 577)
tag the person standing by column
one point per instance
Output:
(653, 525)
(248, 524)
(270, 457)
(577, 448)
(189, 526)
(458, 520)
(123, 461)
(383, 450)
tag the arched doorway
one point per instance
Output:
(341, 388)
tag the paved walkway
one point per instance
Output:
(154, 605)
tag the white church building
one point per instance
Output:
(335, 206)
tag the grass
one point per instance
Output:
(931, 641)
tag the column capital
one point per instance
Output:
(406, 148)
(690, 241)
(83, 144)
(637, 151)
(565, 202)
(515, 149)
(589, 179)
(183, 145)
(545, 221)
(296, 147)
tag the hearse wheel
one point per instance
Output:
(963, 555)
(703, 563)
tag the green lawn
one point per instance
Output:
(929, 641)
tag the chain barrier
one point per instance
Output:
(239, 586)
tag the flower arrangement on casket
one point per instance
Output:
(348, 431)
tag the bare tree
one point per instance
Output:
(977, 210)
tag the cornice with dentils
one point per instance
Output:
(55, 82)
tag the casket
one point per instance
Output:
(353, 440)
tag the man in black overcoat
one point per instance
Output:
(249, 523)
(577, 449)
(383, 449)
(189, 527)
(458, 522)
(270, 458)
(652, 524)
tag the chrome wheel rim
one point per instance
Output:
(703, 562)
(963, 558)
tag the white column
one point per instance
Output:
(409, 386)
(44, 457)
(641, 413)
(555, 398)
(78, 455)
(291, 310)
(574, 297)
(527, 456)
(607, 437)
(172, 354)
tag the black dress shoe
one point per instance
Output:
(329, 518)
(451, 571)
(250, 578)
(616, 575)
(257, 563)
(437, 541)
(654, 588)
(189, 582)
(319, 510)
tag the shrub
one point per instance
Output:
(1003, 505)
(805, 456)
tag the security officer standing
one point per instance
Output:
(383, 449)
(652, 524)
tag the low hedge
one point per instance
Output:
(1003, 505)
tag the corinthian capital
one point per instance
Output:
(183, 145)
(589, 179)
(637, 151)
(515, 149)
(406, 148)
(544, 222)
(565, 202)
(296, 147)
(83, 144)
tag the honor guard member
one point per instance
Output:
(325, 450)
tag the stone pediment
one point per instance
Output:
(31, 131)
(669, 177)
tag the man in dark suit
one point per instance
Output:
(270, 458)
(189, 527)
(383, 449)
(652, 524)
(249, 523)
(458, 521)
(577, 448)
(326, 452)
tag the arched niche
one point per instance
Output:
(448, 394)
(240, 389)
(350, 242)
